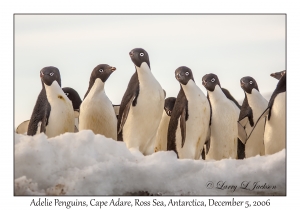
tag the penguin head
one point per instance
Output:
(278, 75)
(183, 74)
(209, 81)
(248, 83)
(169, 105)
(139, 56)
(49, 75)
(73, 96)
(102, 71)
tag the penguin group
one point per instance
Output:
(194, 125)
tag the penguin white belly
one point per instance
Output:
(275, 132)
(61, 118)
(196, 130)
(224, 132)
(196, 125)
(143, 119)
(97, 114)
(255, 144)
(162, 133)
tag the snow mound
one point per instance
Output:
(87, 164)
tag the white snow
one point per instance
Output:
(86, 164)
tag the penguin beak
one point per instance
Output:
(204, 83)
(273, 75)
(113, 68)
(242, 83)
(169, 112)
(131, 54)
(178, 76)
(41, 74)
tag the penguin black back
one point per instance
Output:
(40, 114)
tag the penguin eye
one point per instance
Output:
(187, 73)
(141, 54)
(212, 80)
(67, 94)
(51, 74)
(100, 70)
(250, 82)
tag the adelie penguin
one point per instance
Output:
(141, 107)
(253, 106)
(162, 131)
(224, 117)
(188, 127)
(74, 98)
(53, 112)
(275, 120)
(96, 110)
(76, 102)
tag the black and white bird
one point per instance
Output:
(53, 112)
(189, 123)
(141, 107)
(275, 120)
(76, 102)
(224, 117)
(253, 106)
(96, 110)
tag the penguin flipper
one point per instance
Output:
(40, 114)
(22, 128)
(240, 149)
(125, 113)
(131, 91)
(203, 153)
(230, 97)
(263, 116)
(207, 141)
(246, 111)
(242, 134)
(179, 105)
(183, 126)
(46, 118)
